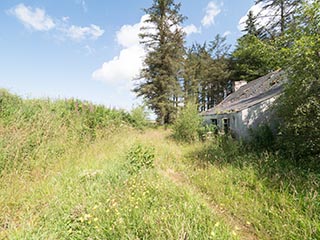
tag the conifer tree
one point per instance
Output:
(252, 27)
(163, 39)
(282, 14)
(206, 73)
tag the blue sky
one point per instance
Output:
(88, 49)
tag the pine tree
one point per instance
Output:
(206, 73)
(219, 72)
(282, 14)
(163, 39)
(192, 69)
(252, 27)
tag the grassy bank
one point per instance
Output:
(36, 133)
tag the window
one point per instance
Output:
(214, 121)
(226, 125)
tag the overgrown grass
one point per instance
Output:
(279, 199)
(95, 195)
(71, 171)
(34, 133)
(67, 174)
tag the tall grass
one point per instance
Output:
(72, 170)
(37, 132)
(272, 194)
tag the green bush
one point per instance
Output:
(261, 138)
(188, 125)
(140, 157)
(139, 117)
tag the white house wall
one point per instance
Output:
(242, 121)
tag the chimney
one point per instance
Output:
(238, 84)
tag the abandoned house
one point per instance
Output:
(248, 106)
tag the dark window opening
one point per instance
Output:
(226, 125)
(214, 121)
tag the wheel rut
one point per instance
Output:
(243, 230)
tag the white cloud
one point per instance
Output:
(264, 16)
(128, 35)
(122, 68)
(190, 29)
(65, 19)
(79, 33)
(35, 19)
(212, 10)
(226, 33)
(125, 67)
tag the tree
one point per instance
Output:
(282, 14)
(192, 74)
(252, 27)
(299, 107)
(219, 70)
(206, 72)
(253, 58)
(196, 73)
(163, 39)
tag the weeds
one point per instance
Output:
(264, 189)
(140, 157)
(36, 132)
(71, 170)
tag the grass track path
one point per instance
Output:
(243, 230)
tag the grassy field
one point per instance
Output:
(112, 181)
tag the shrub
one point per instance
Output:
(140, 157)
(188, 125)
(139, 117)
(261, 138)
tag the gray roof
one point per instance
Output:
(251, 94)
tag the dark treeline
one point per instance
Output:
(174, 75)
